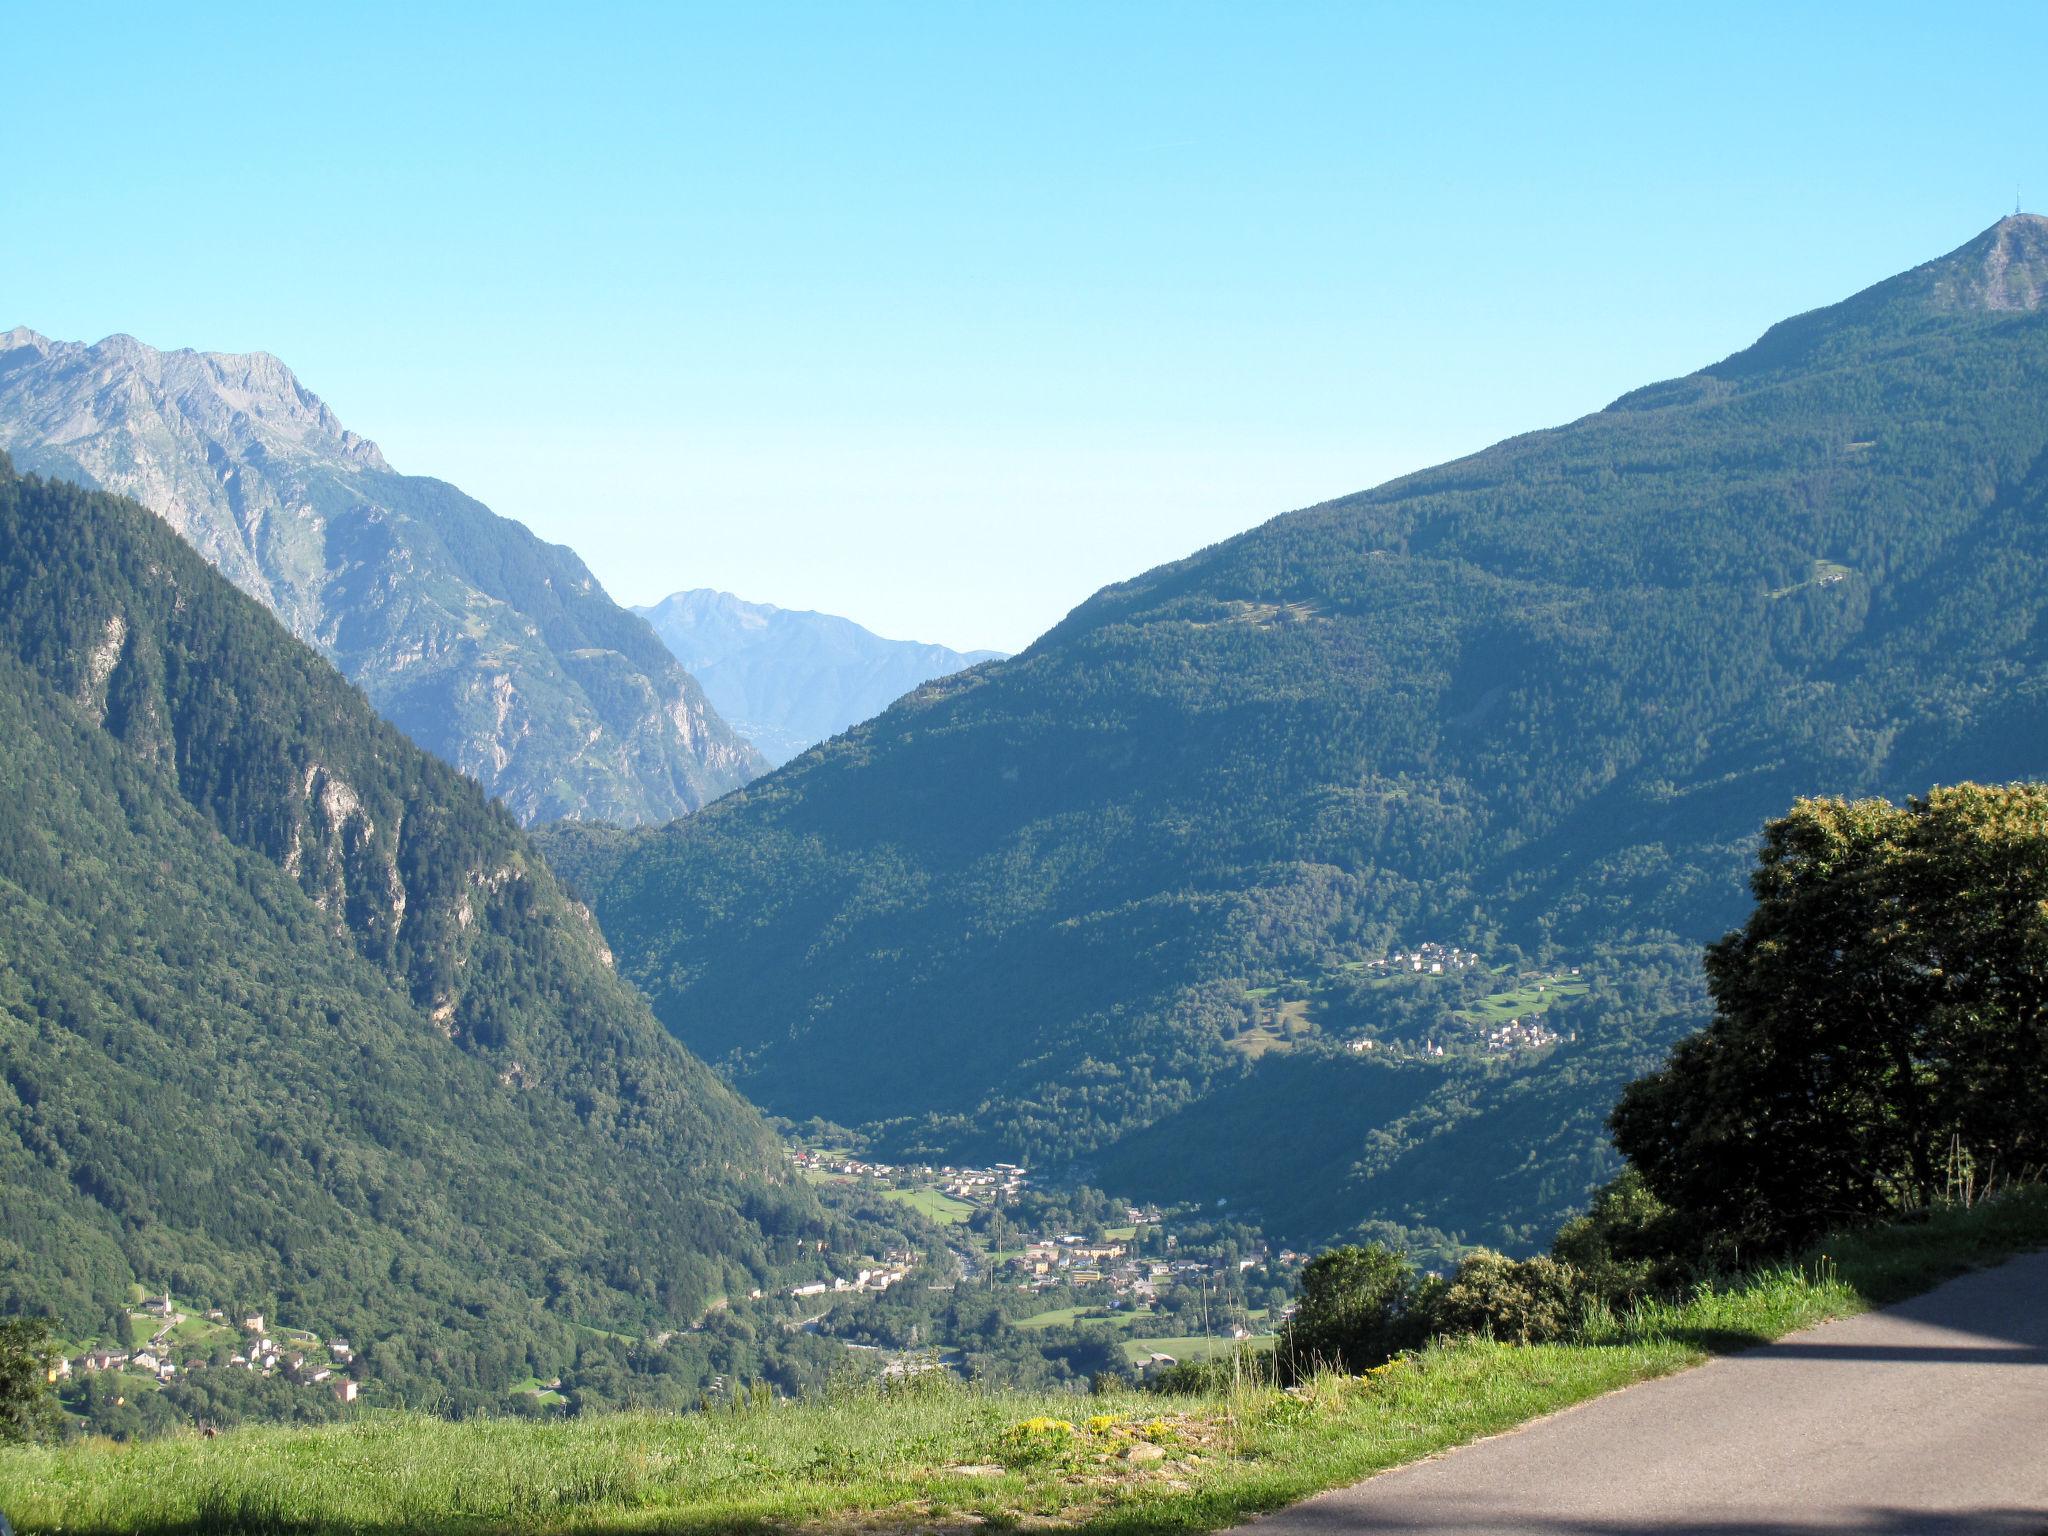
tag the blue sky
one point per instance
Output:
(941, 316)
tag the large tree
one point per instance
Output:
(1881, 1021)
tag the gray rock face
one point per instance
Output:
(787, 679)
(497, 652)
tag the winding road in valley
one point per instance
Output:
(1929, 1418)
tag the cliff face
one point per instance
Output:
(497, 652)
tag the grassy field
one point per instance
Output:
(1531, 998)
(198, 1333)
(948, 1458)
(933, 1204)
(1058, 1317)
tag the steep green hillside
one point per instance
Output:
(1119, 899)
(292, 1018)
(497, 652)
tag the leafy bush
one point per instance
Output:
(1626, 1246)
(1357, 1309)
(1522, 1301)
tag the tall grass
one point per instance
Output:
(945, 1457)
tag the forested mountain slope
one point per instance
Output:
(291, 1015)
(788, 678)
(495, 651)
(1118, 899)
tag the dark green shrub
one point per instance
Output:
(1629, 1245)
(1357, 1310)
(28, 1411)
(1518, 1301)
(1194, 1378)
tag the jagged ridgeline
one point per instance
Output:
(494, 650)
(292, 1016)
(1121, 899)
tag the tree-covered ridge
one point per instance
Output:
(291, 1016)
(494, 650)
(1534, 702)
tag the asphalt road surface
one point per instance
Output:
(1926, 1419)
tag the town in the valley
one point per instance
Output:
(1160, 1285)
(1168, 1284)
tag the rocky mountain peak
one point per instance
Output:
(2005, 268)
(240, 399)
(493, 650)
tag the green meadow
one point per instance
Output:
(934, 1204)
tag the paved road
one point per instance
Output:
(1926, 1419)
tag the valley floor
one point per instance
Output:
(935, 1456)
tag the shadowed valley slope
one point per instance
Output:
(1132, 898)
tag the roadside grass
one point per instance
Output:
(941, 1458)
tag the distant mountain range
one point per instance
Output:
(497, 652)
(787, 679)
(292, 1016)
(1183, 896)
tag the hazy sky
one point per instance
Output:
(942, 316)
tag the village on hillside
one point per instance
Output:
(1415, 1002)
(173, 1339)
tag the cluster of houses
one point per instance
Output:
(1427, 1048)
(879, 1278)
(1426, 959)
(1071, 1260)
(852, 1167)
(980, 1185)
(1434, 959)
(1043, 1262)
(300, 1357)
(1067, 1260)
(1521, 1035)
